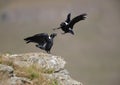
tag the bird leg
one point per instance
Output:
(48, 52)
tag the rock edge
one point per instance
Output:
(48, 62)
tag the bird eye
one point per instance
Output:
(62, 24)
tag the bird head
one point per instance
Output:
(63, 24)
(53, 35)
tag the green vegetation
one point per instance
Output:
(54, 82)
(48, 71)
(33, 73)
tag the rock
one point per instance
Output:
(19, 81)
(63, 78)
(16, 81)
(41, 60)
(8, 77)
(7, 70)
(53, 67)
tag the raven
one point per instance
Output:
(43, 40)
(67, 26)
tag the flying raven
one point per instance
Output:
(67, 26)
(43, 40)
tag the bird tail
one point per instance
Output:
(28, 40)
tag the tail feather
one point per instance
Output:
(28, 40)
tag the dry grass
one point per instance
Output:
(33, 73)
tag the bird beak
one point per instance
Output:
(71, 31)
(56, 28)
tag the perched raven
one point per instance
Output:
(67, 26)
(43, 40)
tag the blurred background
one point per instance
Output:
(92, 54)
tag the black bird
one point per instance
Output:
(43, 40)
(67, 26)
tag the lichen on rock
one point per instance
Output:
(28, 67)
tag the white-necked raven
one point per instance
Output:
(43, 40)
(67, 26)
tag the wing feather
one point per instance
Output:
(68, 18)
(77, 19)
(38, 38)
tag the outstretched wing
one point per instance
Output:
(38, 38)
(77, 19)
(68, 18)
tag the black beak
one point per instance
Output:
(56, 28)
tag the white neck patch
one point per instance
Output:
(49, 37)
(66, 23)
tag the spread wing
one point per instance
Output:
(77, 19)
(38, 38)
(68, 18)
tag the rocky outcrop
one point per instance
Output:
(50, 67)
(8, 77)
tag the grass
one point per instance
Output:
(48, 71)
(54, 82)
(33, 73)
(6, 61)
